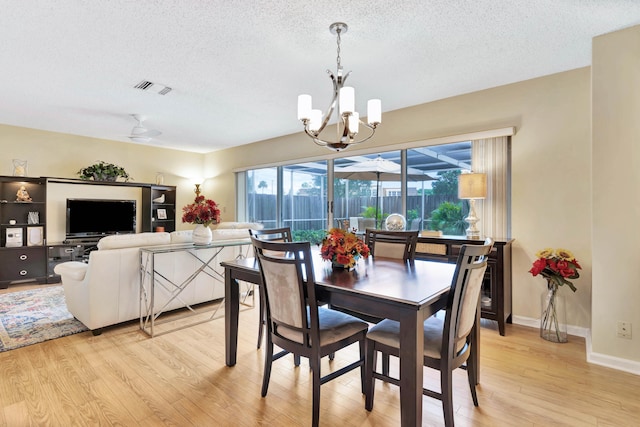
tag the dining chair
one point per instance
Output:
(447, 343)
(389, 244)
(282, 234)
(392, 244)
(364, 223)
(295, 323)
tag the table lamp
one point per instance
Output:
(472, 186)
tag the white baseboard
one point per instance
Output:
(605, 360)
(612, 362)
(535, 323)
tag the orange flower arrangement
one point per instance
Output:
(343, 247)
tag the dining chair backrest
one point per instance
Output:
(273, 234)
(464, 295)
(364, 223)
(392, 244)
(285, 267)
(281, 235)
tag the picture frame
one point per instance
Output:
(35, 236)
(162, 214)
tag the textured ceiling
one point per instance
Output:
(236, 67)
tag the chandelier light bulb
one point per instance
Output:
(315, 121)
(304, 107)
(374, 112)
(347, 100)
(354, 123)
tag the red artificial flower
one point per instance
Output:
(201, 211)
(556, 266)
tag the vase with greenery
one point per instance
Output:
(103, 171)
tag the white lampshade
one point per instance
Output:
(347, 100)
(304, 107)
(315, 121)
(374, 111)
(472, 186)
(354, 122)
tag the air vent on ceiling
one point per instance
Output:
(148, 86)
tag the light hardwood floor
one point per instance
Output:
(125, 378)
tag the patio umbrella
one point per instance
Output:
(379, 169)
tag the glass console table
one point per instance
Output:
(176, 277)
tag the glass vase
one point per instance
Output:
(553, 319)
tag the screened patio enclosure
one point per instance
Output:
(297, 195)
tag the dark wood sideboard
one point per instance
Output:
(496, 289)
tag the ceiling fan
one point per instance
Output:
(139, 133)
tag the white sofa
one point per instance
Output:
(106, 290)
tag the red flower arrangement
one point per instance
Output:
(201, 211)
(556, 266)
(343, 247)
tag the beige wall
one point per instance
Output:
(551, 168)
(552, 176)
(616, 192)
(62, 155)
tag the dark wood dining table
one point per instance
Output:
(385, 288)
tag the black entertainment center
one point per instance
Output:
(25, 253)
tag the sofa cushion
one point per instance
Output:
(231, 234)
(238, 225)
(182, 236)
(75, 270)
(134, 240)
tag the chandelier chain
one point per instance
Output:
(338, 49)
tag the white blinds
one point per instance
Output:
(492, 156)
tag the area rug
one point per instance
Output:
(33, 316)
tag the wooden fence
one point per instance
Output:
(310, 212)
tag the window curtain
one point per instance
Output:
(493, 157)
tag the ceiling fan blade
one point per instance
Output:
(139, 138)
(139, 133)
(152, 132)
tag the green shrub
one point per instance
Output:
(412, 214)
(313, 236)
(448, 218)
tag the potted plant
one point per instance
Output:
(103, 171)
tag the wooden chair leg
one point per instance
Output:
(268, 360)
(369, 381)
(262, 321)
(385, 364)
(471, 370)
(447, 402)
(296, 359)
(314, 361)
(362, 346)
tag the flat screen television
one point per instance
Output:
(95, 218)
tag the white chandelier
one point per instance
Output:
(348, 123)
